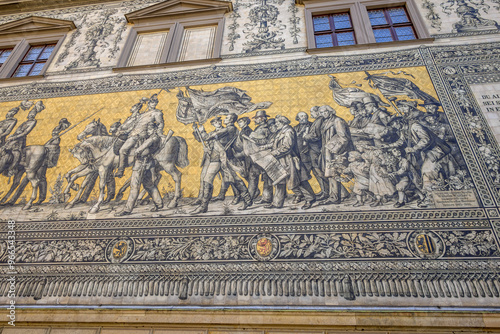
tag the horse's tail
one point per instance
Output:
(182, 155)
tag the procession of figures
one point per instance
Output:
(389, 153)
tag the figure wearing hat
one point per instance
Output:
(284, 148)
(16, 142)
(221, 159)
(261, 135)
(377, 114)
(313, 139)
(151, 115)
(53, 145)
(143, 170)
(432, 108)
(8, 124)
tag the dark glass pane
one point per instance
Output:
(346, 38)
(404, 33)
(22, 70)
(34, 52)
(377, 17)
(324, 41)
(37, 69)
(398, 15)
(321, 23)
(382, 35)
(4, 55)
(46, 52)
(341, 21)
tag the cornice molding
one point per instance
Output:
(179, 7)
(35, 24)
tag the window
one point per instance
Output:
(333, 30)
(34, 61)
(175, 31)
(333, 23)
(391, 24)
(28, 45)
(4, 54)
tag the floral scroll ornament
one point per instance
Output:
(264, 18)
(431, 14)
(469, 13)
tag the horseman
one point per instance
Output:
(140, 127)
(143, 170)
(52, 146)
(16, 143)
(8, 124)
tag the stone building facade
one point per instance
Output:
(249, 166)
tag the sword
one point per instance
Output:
(83, 120)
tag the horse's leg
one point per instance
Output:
(88, 186)
(42, 186)
(110, 188)
(122, 190)
(103, 177)
(35, 181)
(75, 170)
(15, 182)
(176, 175)
(76, 199)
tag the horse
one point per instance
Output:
(86, 168)
(173, 153)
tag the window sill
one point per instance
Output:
(167, 65)
(370, 45)
(22, 79)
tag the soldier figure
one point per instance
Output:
(143, 170)
(219, 157)
(8, 124)
(16, 143)
(139, 123)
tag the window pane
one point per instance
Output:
(22, 70)
(324, 41)
(404, 33)
(34, 52)
(197, 43)
(321, 23)
(346, 38)
(4, 55)
(341, 21)
(382, 35)
(148, 48)
(37, 69)
(377, 17)
(46, 52)
(398, 15)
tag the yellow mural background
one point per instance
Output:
(289, 96)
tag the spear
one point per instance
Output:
(83, 120)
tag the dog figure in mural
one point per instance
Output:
(99, 151)
(37, 159)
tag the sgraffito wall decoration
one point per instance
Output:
(369, 179)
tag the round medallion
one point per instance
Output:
(449, 70)
(264, 247)
(425, 244)
(119, 250)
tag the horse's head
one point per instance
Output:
(94, 128)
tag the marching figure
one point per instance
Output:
(219, 152)
(336, 143)
(285, 149)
